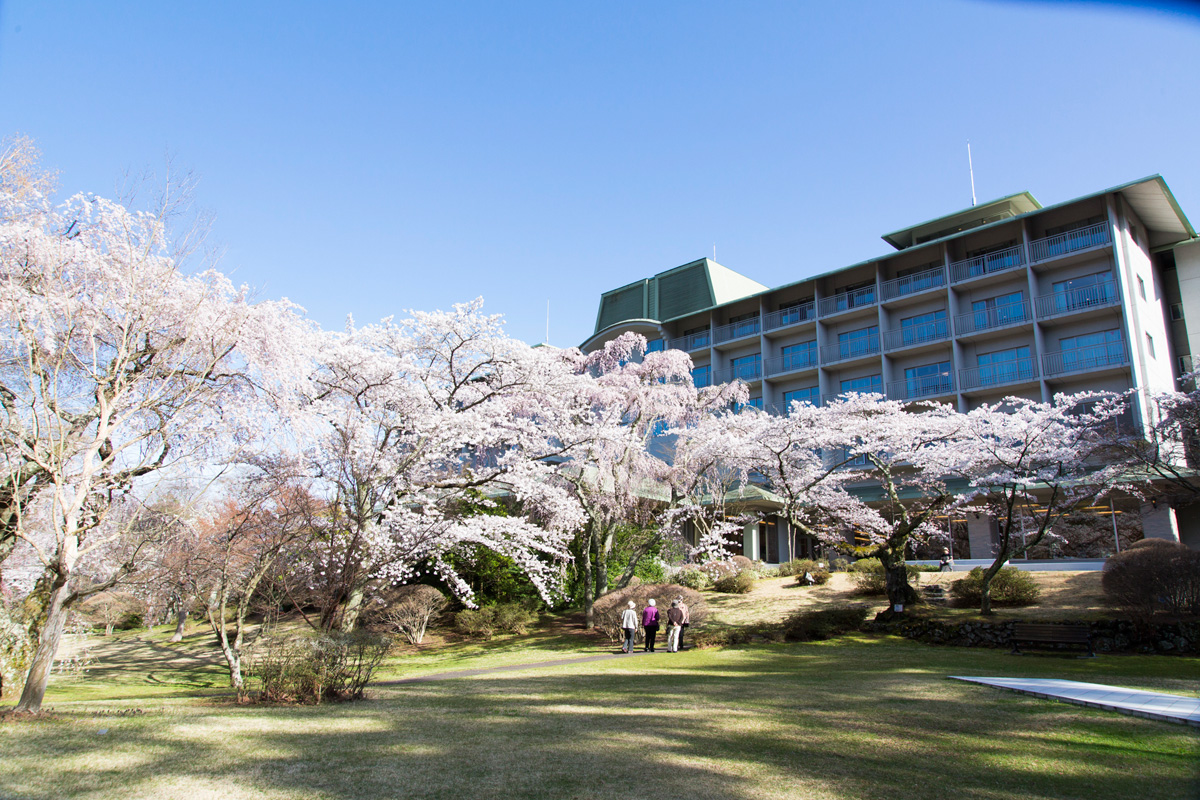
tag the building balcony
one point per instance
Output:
(736, 330)
(925, 333)
(923, 388)
(702, 379)
(1005, 373)
(747, 373)
(861, 347)
(790, 316)
(827, 399)
(691, 342)
(1085, 359)
(987, 264)
(994, 318)
(847, 301)
(1075, 301)
(792, 362)
(1069, 242)
(913, 284)
(780, 410)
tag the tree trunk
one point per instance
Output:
(43, 657)
(589, 611)
(181, 615)
(899, 591)
(985, 587)
(348, 618)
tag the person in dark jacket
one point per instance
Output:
(674, 626)
(650, 624)
(687, 620)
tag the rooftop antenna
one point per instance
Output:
(714, 251)
(971, 168)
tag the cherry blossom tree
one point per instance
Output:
(412, 422)
(116, 366)
(1032, 464)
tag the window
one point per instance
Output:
(1150, 345)
(697, 337)
(747, 368)
(799, 356)
(743, 324)
(1085, 291)
(1176, 310)
(702, 376)
(755, 402)
(925, 327)
(994, 258)
(1000, 310)
(811, 395)
(871, 384)
(855, 295)
(655, 346)
(1141, 287)
(928, 379)
(1092, 349)
(794, 311)
(1075, 226)
(860, 342)
(1005, 366)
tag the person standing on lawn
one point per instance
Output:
(674, 627)
(650, 623)
(629, 623)
(687, 620)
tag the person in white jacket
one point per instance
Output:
(629, 623)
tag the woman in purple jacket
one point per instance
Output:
(650, 623)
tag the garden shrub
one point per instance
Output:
(692, 578)
(413, 609)
(870, 578)
(802, 566)
(805, 626)
(737, 583)
(720, 636)
(608, 608)
(1152, 576)
(742, 563)
(309, 670)
(716, 570)
(839, 564)
(486, 621)
(1010, 587)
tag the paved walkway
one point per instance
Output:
(1139, 703)
(467, 673)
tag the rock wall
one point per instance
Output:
(1108, 636)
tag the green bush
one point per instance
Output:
(738, 583)
(800, 566)
(839, 564)
(692, 578)
(1010, 587)
(1154, 576)
(870, 578)
(720, 636)
(742, 563)
(806, 626)
(309, 670)
(486, 621)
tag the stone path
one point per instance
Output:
(1138, 702)
(467, 673)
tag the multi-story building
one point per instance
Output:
(1003, 298)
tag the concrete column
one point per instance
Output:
(1159, 523)
(981, 535)
(750, 540)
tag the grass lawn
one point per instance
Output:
(859, 717)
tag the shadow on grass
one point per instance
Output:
(857, 718)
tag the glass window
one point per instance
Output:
(798, 356)
(1005, 366)
(925, 327)
(1084, 291)
(928, 379)
(811, 395)
(747, 368)
(794, 311)
(702, 376)
(866, 385)
(999, 310)
(1150, 345)
(855, 295)
(859, 342)
(1176, 310)
(1092, 349)
(655, 346)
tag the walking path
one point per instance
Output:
(467, 673)
(1139, 703)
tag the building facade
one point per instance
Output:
(1004, 298)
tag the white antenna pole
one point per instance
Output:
(547, 322)
(714, 251)
(971, 168)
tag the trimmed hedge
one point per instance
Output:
(1010, 587)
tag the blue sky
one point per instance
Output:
(367, 158)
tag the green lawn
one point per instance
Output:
(860, 717)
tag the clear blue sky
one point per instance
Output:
(367, 158)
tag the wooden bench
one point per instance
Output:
(1044, 634)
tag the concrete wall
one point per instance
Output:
(1160, 522)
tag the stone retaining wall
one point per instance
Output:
(1108, 636)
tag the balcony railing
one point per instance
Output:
(924, 386)
(1069, 242)
(1082, 359)
(911, 284)
(806, 359)
(851, 348)
(997, 261)
(847, 300)
(1020, 370)
(692, 341)
(1075, 300)
(935, 331)
(994, 317)
(742, 372)
(736, 330)
(826, 399)
(781, 410)
(789, 316)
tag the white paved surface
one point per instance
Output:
(1154, 705)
